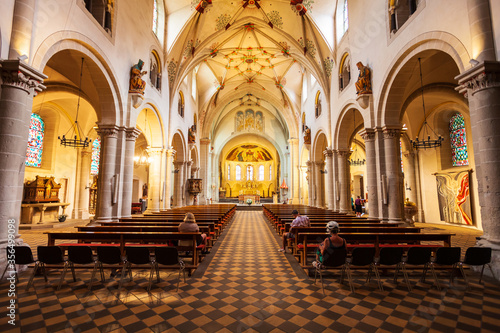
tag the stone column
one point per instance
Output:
(393, 174)
(381, 175)
(187, 175)
(19, 83)
(154, 179)
(131, 135)
(482, 40)
(371, 171)
(335, 175)
(482, 87)
(329, 178)
(82, 207)
(22, 27)
(320, 166)
(410, 177)
(294, 169)
(310, 181)
(205, 169)
(178, 176)
(168, 178)
(344, 181)
(108, 183)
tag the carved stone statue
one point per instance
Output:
(191, 134)
(363, 85)
(307, 135)
(137, 84)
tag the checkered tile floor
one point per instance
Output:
(246, 285)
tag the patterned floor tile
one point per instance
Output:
(246, 285)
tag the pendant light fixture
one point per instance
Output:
(75, 129)
(423, 139)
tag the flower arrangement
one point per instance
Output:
(249, 201)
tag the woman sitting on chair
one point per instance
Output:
(334, 241)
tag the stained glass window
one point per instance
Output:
(155, 17)
(458, 141)
(249, 172)
(35, 142)
(270, 172)
(238, 172)
(345, 25)
(401, 155)
(96, 156)
(228, 172)
(261, 172)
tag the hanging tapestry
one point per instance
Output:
(454, 197)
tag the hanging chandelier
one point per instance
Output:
(75, 129)
(143, 158)
(424, 141)
(355, 160)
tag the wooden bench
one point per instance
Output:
(310, 240)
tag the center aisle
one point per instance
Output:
(249, 284)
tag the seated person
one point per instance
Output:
(334, 241)
(189, 225)
(299, 221)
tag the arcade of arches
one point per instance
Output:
(326, 97)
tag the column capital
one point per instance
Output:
(328, 152)
(319, 163)
(154, 151)
(170, 152)
(205, 141)
(178, 164)
(195, 169)
(309, 163)
(189, 163)
(485, 75)
(293, 141)
(85, 152)
(107, 131)
(345, 153)
(131, 133)
(17, 74)
(409, 153)
(391, 132)
(368, 134)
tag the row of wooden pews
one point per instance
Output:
(153, 230)
(357, 231)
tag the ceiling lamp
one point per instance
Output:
(355, 160)
(143, 158)
(76, 130)
(426, 129)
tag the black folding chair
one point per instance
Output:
(80, 255)
(49, 255)
(139, 256)
(169, 256)
(445, 258)
(417, 256)
(332, 258)
(110, 255)
(21, 255)
(388, 256)
(476, 256)
(360, 257)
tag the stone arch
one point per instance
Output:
(350, 121)
(179, 145)
(109, 109)
(149, 122)
(389, 102)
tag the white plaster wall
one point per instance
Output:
(7, 10)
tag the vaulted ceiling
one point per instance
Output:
(252, 52)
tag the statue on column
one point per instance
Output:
(363, 85)
(191, 134)
(307, 135)
(137, 84)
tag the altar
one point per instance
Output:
(244, 197)
(41, 213)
